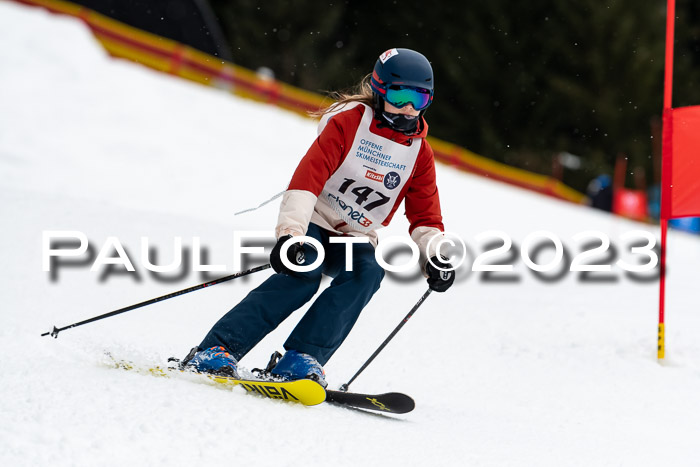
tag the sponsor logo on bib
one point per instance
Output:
(392, 180)
(374, 176)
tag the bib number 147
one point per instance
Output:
(363, 193)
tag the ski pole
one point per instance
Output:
(55, 331)
(345, 386)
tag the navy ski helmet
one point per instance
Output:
(404, 70)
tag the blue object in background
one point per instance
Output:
(687, 224)
(599, 192)
(654, 202)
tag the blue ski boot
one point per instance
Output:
(214, 360)
(296, 365)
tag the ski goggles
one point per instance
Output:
(401, 96)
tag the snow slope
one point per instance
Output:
(521, 372)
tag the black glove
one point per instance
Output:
(295, 255)
(439, 280)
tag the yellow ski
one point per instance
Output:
(304, 391)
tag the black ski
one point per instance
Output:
(390, 402)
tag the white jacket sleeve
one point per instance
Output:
(422, 236)
(295, 213)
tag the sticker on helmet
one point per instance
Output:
(388, 54)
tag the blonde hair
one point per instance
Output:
(362, 92)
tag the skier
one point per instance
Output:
(370, 154)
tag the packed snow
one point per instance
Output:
(507, 368)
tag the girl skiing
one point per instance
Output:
(370, 154)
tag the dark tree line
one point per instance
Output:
(518, 82)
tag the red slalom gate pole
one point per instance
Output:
(661, 351)
(666, 181)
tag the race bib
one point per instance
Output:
(366, 186)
